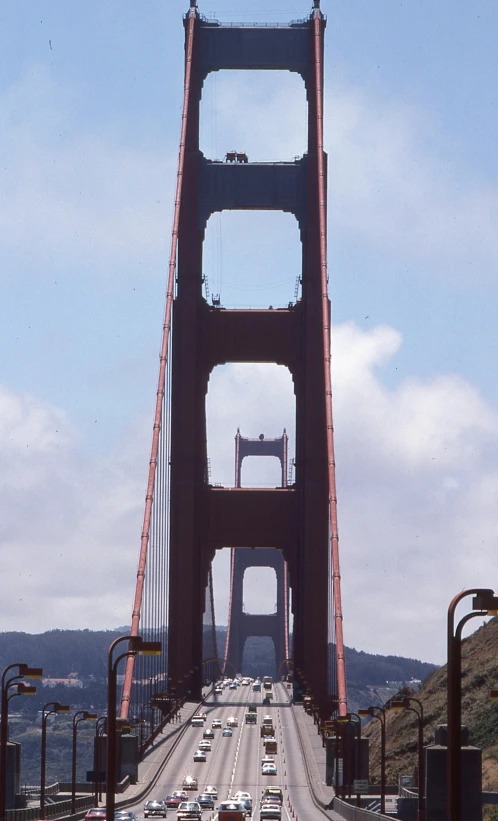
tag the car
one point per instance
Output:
(208, 733)
(205, 745)
(267, 759)
(231, 809)
(210, 790)
(181, 794)
(247, 805)
(270, 810)
(233, 685)
(218, 691)
(197, 721)
(232, 721)
(155, 809)
(173, 801)
(189, 809)
(268, 769)
(245, 798)
(227, 731)
(216, 724)
(274, 794)
(95, 814)
(125, 815)
(200, 755)
(206, 801)
(190, 783)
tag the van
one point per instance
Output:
(197, 721)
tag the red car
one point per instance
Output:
(95, 814)
(174, 800)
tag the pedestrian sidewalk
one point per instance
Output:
(315, 754)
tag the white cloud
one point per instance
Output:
(417, 497)
(70, 529)
(417, 489)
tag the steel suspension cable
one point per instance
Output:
(163, 361)
(334, 535)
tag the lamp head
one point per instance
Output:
(486, 600)
(398, 704)
(30, 672)
(145, 648)
(25, 689)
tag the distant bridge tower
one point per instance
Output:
(243, 625)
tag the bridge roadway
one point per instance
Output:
(235, 763)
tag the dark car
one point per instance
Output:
(155, 809)
(125, 815)
(206, 801)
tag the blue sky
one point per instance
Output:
(90, 110)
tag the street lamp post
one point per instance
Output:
(100, 729)
(380, 716)
(405, 704)
(49, 708)
(135, 645)
(484, 603)
(346, 718)
(23, 670)
(81, 715)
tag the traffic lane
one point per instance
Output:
(219, 764)
(217, 770)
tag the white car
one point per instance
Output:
(270, 811)
(268, 769)
(210, 790)
(205, 745)
(190, 783)
(216, 724)
(245, 798)
(232, 721)
(189, 810)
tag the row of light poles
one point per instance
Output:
(379, 713)
(484, 603)
(14, 685)
(18, 688)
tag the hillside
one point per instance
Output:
(479, 713)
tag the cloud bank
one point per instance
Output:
(417, 489)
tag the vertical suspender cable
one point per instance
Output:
(125, 701)
(334, 537)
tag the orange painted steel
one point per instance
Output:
(336, 573)
(126, 696)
